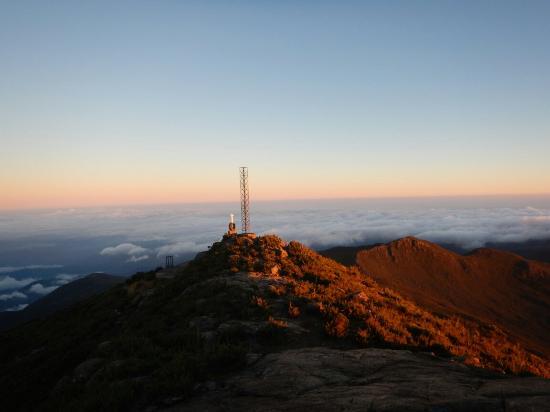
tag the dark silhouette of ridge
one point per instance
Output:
(61, 298)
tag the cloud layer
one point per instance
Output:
(142, 236)
(135, 253)
(7, 282)
(134, 259)
(128, 249)
(468, 228)
(40, 289)
(13, 295)
(11, 269)
(64, 278)
(15, 308)
(181, 248)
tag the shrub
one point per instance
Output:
(277, 289)
(260, 302)
(337, 325)
(293, 311)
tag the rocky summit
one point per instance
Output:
(256, 323)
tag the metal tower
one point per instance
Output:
(245, 217)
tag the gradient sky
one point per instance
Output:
(148, 102)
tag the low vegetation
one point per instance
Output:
(354, 306)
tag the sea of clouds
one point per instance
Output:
(41, 250)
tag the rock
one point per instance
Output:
(239, 326)
(209, 337)
(312, 308)
(104, 345)
(281, 252)
(252, 358)
(203, 323)
(324, 379)
(84, 370)
(104, 348)
(210, 385)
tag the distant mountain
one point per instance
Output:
(491, 285)
(256, 323)
(530, 249)
(31, 292)
(61, 298)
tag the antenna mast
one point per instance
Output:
(245, 217)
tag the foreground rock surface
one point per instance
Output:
(324, 379)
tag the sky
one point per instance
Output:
(130, 102)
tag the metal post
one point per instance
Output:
(245, 203)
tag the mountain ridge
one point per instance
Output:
(161, 339)
(491, 285)
(61, 298)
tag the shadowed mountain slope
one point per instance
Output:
(494, 286)
(255, 307)
(61, 298)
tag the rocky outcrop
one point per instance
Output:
(324, 379)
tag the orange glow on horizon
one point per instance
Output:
(27, 196)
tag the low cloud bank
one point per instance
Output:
(468, 228)
(147, 234)
(138, 258)
(135, 253)
(7, 282)
(11, 269)
(40, 289)
(123, 249)
(12, 295)
(325, 224)
(17, 307)
(181, 248)
(64, 278)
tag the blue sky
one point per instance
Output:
(150, 102)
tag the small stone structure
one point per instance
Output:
(232, 226)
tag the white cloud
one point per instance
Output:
(128, 249)
(7, 282)
(138, 258)
(40, 289)
(10, 269)
(13, 295)
(136, 253)
(64, 278)
(17, 308)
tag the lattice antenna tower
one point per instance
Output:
(245, 202)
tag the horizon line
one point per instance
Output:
(208, 202)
